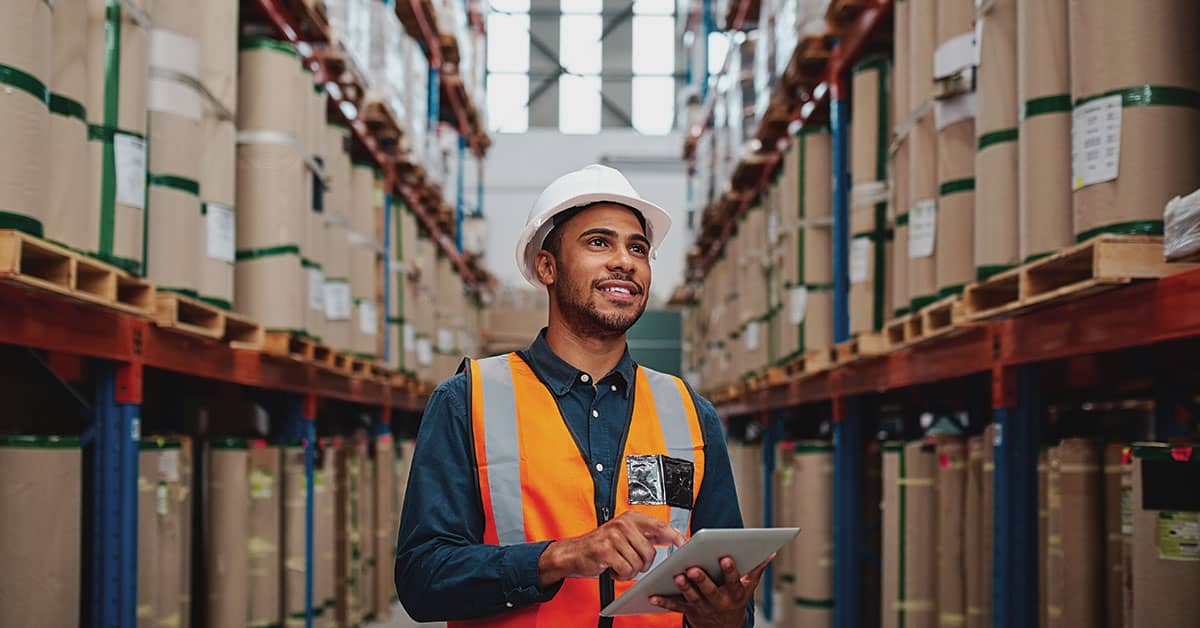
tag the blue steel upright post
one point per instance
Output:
(117, 427)
(848, 532)
(1016, 402)
(459, 184)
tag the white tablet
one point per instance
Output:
(747, 547)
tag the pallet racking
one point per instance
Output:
(1133, 337)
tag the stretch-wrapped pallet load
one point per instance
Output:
(920, 558)
(1165, 551)
(41, 505)
(118, 76)
(266, 501)
(25, 75)
(68, 215)
(996, 240)
(1075, 552)
(270, 283)
(951, 482)
(1044, 143)
(381, 527)
(923, 159)
(978, 582)
(176, 107)
(337, 294)
(869, 138)
(292, 576)
(1135, 112)
(1114, 541)
(812, 565)
(226, 530)
(817, 236)
(364, 248)
(218, 165)
(899, 167)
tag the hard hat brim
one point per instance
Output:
(658, 223)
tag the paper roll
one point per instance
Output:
(996, 203)
(956, 207)
(266, 500)
(269, 87)
(1075, 567)
(217, 185)
(922, 39)
(271, 290)
(294, 496)
(269, 176)
(69, 218)
(898, 262)
(227, 526)
(818, 320)
(219, 46)
(25, 52)
(922, 187)
(919, 537)
(951, 495)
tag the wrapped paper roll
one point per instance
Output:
(922, 39)
(40, 504)
(69, 219)
(951, 508)
(270, 285)
(922, 195)
(227, 528)
(294, 495)
(337, 251)
(1139, 102)
(25, 72)
(173, 250)
(269, 88)
(899, 259)
(996, 204)
(385, 534)
(956, 207)
(362, 242)
(813, 556)
(891, 603)
(1075, 560)
(1044, 145)
(266, 500)
(218, 193)
(919, 536)
(117, 151)
(870, 136)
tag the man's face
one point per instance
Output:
(601, 276)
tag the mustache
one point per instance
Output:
(619, 277)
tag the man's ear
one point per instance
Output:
(547, 268)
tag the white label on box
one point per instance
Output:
(922, 229)
(337, 300)
(424, 352)
(221, 225)
(410, 337)
(752, 336)
(1096, 141)
(368, 322)
(130, 156)
(168, 465)
(953, 110)
(162, 499)
(799, 304)
(445, 341)
(316, 289)
(860, 257)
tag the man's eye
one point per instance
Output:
(638, 248)
(597, 242)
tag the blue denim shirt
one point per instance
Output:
(444, 571)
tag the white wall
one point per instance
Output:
(519, 166)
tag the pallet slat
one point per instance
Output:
(34, 262)
(186, 315)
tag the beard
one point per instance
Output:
(581, 312)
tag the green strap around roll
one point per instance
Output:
(26, 441)
(916, 303)
(187, 292)
(813, 603)
(1136, 227)
(267, 251)
(957, 185)
(1001, 136)
(1057, 103)
(951, 290)
(228, 443)
(62, 106)
(986, 271)
(900, 312)
(112, 89)
(21, 222)
(266, 43)
(902, 220)
(217, 302)
(25, 82)
(1149, 96)
(173, 182)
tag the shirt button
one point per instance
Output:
(508, 604)
(614, 388)
(595, 414)
(599, 467)
(584, 378)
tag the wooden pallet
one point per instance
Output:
(1102, 263)
(190, 316)
(811, 362)
(242, 332)
(895, 332)
(324, 355)
(343, 362)
(941, 316)
(864, 345)
(31, 261)
(288, 344)
(360, 367)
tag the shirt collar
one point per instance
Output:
(560, 376)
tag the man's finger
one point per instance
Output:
(751, 579)
(658, 531)
(729, 569)
(689, 592)
(707, 587)
(669, 603)
(626, 562)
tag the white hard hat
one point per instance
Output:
(591, 184)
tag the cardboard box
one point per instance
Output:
(1166, 536)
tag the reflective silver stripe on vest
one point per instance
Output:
(677, 434)
(503, 450)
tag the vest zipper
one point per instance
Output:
(604, 512)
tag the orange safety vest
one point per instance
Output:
(536, 485)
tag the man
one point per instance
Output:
(543, 480)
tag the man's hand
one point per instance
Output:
(705, 605)
(625, 545)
